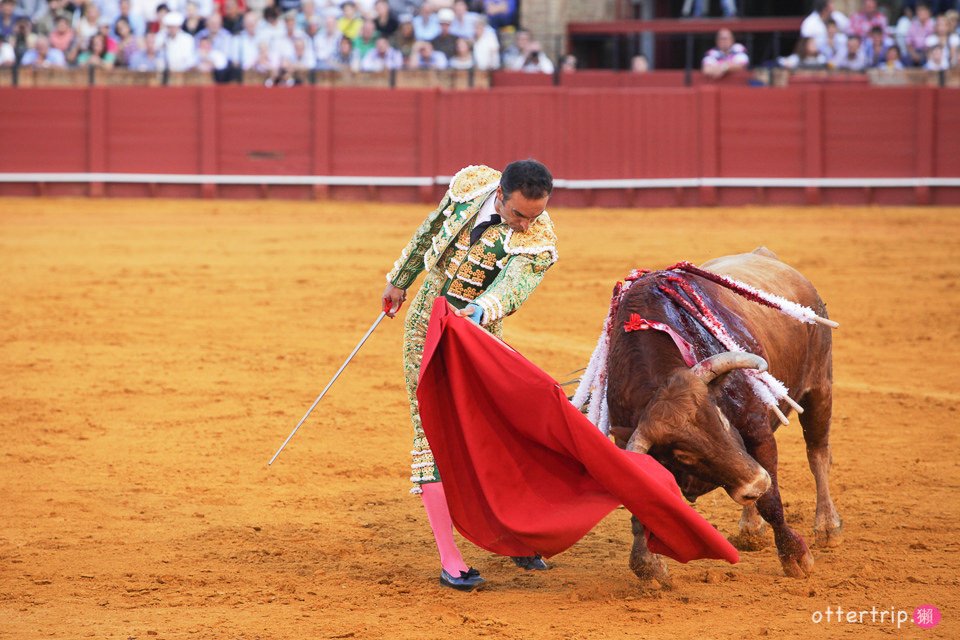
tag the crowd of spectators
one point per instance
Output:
(283, 40)
(868, 39)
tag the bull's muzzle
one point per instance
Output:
(747, 494)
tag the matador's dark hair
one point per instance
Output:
(532, 178)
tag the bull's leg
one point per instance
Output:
(753, 531)
(795, 557)
(818, 405)
(646, 565)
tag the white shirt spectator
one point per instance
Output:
(534, 62)
(325, 44)
(377, 60)
(486, 51)
(246, 50)
(176, 47)
(7, 55)
(814, 27)
(426, 29)
(464, 27)
(221, 41)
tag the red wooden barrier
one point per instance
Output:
(816, 132)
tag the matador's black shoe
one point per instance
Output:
(468, 580)
(530, 563)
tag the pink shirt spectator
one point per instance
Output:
(735, 55)
(918, 33)
(862, 22)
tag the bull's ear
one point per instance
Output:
(621, 435)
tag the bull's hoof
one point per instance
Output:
(750, 540)
(798, 567)
(829, 537)
(651, 570)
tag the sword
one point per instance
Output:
(386, 307)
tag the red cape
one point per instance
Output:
(523, 470)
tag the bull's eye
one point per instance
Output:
(685, 457)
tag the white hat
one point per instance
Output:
(445, 15)
(173, 19)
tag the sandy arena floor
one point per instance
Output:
(154, 354)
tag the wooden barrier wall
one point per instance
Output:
(725, 132)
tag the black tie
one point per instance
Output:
(480, 228)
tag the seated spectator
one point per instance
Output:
(725, 57)
(210, 60)
(283, 46)
(903, 26)
(446, 42)
(639, 64)
(464, 21)
(234, 12)
(96, 54)
(350, 23)
(43, 56)
(535, 61)
(921, 28)
(31, 9)
(220, 38)
(366, 40)
(486, 46)
(7, 18)
(246, 45)
(386, 20)
(296, 64)
(404, 38)
(148, 58)
(852, 59)
(62, 36)
(867, 19)
(805, 56)
(462, 57)
(270, 27)
(891, 61)
(345, 59)
(104, 30)
(326, 42)
(835, 43)
(815, 25)
(382, 57)
(308, 12)
(138, 26)
(875, 48)
(43, 23)
(948, 41)
(87, 24)
(516, 53)
(126, 42)
(423, 56)
(500, 13)
(568, 63)
(177, 48)
(266, 62)
(7, 55)
(193, 23)
(426, 25)
(936, 59)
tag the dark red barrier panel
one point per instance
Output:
(582, 134)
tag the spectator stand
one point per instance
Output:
(630, 30)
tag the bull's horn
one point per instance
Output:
(637, 443)
(713, 367)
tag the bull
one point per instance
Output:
(704, 423)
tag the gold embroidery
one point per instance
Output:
(473, 181)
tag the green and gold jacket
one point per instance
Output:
(499, 271)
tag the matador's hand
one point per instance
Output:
(472, 312)
(393, 298)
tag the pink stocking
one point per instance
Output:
(435, 502)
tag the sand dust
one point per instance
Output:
(155, 353)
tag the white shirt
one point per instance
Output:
(487, 210)
(177, 53)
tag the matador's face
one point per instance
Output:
(518, 211)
